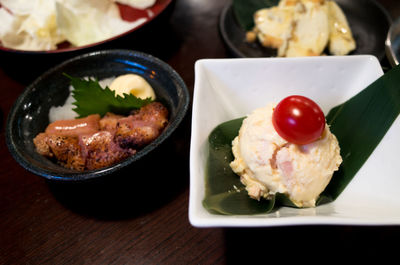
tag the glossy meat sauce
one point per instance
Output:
(93, 142)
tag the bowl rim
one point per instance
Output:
(90, 45)
(391, 55)
(77, 176)
(238, 54)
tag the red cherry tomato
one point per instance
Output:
(298, 120)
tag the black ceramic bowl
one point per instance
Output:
(368, 20)
(29, 115)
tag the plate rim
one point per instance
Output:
(91, 45)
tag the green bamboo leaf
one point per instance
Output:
(225, 194)
(245, 9)
(220, 177)
(359, 124)
(237, 203)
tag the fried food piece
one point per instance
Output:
(311, 34)
(100, 150)
(86, 152)
(341, 41)
(92, 143)
(65, 149)
(41, 145)
(142, 127)
(274, 27)
(303, 28)
(109, 122)
(154, 113)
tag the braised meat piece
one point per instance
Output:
(91, 143)
(139, 129)
(41, 145)
(86, 152)
(154, 113)
(65, 149)
(100, 150)
(76, 127)
(109, 122)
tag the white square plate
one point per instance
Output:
(226, 89)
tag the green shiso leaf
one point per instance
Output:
(91, 98)
(359, 124)
(245, 9)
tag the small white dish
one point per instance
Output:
(226, 89)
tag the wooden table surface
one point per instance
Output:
(126, 221)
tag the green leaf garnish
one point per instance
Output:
(225, 194)
(91, 98)
(359, 124)
(245, 9)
